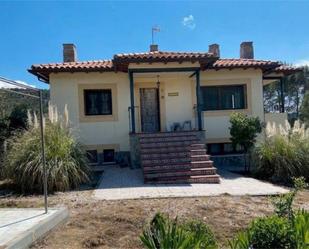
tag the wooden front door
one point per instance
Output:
(150, 110)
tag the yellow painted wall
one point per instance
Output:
(64, 90)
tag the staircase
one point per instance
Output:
(175, 157)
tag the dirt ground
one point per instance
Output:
(118, 224)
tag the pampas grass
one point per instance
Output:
(65, 159)
(284, 153)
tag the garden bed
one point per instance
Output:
(118, 224)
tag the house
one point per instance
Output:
(158, 109)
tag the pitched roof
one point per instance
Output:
(120, 63)
(71, 66)
(164, 56)
(244, 63)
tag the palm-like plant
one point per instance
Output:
(164, 233)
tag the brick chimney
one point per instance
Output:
(154, 48)
(69, 52)
(246, 50)
(214, 49)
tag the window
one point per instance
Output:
(92, 156)
(109, 155)
(223, 148)
(223, 97)
(98, 102)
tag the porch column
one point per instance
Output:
(132, 102)
(281, 95)
(199, 101)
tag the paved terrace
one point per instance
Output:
(20, 227)
(125, 183)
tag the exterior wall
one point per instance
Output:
(216, 123)
(177, 100)
(64, 90)
(278, 118)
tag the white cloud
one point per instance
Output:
(189, 22)
(300, 63)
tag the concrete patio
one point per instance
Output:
(124, 183)
(20, 227)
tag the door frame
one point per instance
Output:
(161, 102)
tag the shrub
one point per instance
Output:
(244, 130)
(65, 159)
(271, 232)
(284, 154)
(166, 233)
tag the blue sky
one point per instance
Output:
(33, 32)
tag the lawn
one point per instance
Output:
(117, 224)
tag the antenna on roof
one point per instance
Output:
(153, 30)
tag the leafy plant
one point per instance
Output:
(244, 130)
(301, 229)
(166, 233)
(241, 241)
(284, 154)
(283, 203)
(65, 159)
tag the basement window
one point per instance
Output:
(109, 155)
(92, 156)
(98, 102)
(223, 149)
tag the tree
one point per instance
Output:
(244, 131)
(304, 110)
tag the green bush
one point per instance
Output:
(284, 154)
(271, 232)
(287, 229)
(164, 233)
(65, 159)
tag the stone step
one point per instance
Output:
(167, 134)
(181, 172)
(187, 180)
(198, 152)
(167, 139)
(193, 143)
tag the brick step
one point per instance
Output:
(167, 134)
(180, 172)
(167, 139)
(193, 144)
(189, 140)
(171, 155)
(189, 180)
(176, 149)
(201, 164)
(176, 166)
(149, 162)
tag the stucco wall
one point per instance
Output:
(179, 108)
(216, 123)
(64, 90)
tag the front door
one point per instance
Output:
(150, 110)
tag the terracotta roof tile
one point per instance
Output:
(160, 55)
(72, 66)
(243, 63)
(287, 69)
